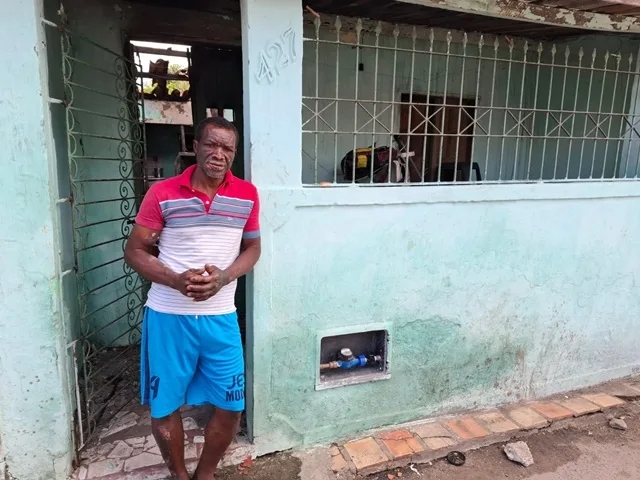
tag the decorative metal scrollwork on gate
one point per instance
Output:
(106, 148)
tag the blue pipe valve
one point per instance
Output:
(359, 361)
(347, 360)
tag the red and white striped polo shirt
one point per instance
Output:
(196, 231)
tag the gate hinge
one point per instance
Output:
(68, 199)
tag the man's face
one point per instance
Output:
(215, 151)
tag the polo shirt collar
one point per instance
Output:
(184, 178)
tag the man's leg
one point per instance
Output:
(220, 432)
(168, 360)
(218, 381)
(169, 436)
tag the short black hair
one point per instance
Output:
(216, 122)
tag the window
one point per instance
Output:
(389, 103)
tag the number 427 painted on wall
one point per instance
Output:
(276, 56)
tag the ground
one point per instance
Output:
(583, 449)
(569, 436)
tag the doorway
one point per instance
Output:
(215, 89)
(120, 137)
(217, 86)
(439, 132)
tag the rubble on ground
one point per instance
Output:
(618, 424)
(519, 452)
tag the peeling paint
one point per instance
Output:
(168, 112)
(514, 9)
(530, 14)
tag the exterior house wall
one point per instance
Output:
(490, 294)
(34, 405)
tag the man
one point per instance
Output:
(205, 225)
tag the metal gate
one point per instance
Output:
(105, 147)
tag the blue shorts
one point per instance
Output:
(191, 359)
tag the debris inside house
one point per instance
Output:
(160, 73)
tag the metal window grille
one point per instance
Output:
(389, 103)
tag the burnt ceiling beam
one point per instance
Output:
(536, 13)
(179, 25)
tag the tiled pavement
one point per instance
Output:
(421, 442)
(126, 450)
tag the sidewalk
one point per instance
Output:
(423, 442)
(585, 448)
(413, 443)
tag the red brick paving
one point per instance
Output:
(403, 448)
(603, 400)
(395, 435)
(366, 453)
(527, 418)
(552, 410)
(497, 422)
(466, 428)
(579, 406)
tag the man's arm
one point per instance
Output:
(250, 250)
(138, 254)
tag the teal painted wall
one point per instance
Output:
(490, 294)
(34, 406)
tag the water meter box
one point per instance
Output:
(353, 358)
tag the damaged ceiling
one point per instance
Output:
(401, 12)
(227, 13)
(629, 8)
